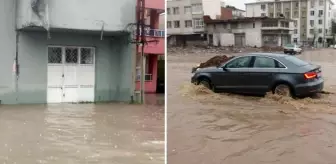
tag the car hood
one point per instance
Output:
(207, 69)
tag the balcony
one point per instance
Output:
(156, 41)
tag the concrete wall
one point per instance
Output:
(225, 37)
(7, 51)
(113, 65)
(254, 10)
(81, 14)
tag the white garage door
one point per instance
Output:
(71, 74)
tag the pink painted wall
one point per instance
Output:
(150, 86)
(155, 4)
(153, 47)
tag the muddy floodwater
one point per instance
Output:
(204, 127)
(83, 134)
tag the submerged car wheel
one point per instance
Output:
(282, 90)
(206, 83)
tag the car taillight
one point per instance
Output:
(310, 75)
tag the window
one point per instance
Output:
(168, 11)
(169, 25)
(278, 5)
(320, 30)
(253, 25)
(264, 62)
(326, 30)
(311, 31)
(263, 14)
(312, 3)
(287, 14)
(296, 61)
(241, 62)
(271, 15)
(320, 21)
(304, 14)
(86, 56)
(295, 31)
(311, 22)
(296, 14)
(198, 23)
(176, 24)
(295, 40)
(295, 23)
(176, 11)
(197, 8)
(54, 55)
(320, 13)
(188, 23)
(263, 7)
(71, 55)
(187, 9)
(321, 2)
(312, 13)
(296, 4)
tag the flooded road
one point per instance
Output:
(204, 127)
(82, 134)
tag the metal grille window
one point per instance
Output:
(176, 24)
(71, 55)
(187, 9)
(54, 55)
(86, 56)
(198, 23)
(197, 8)
(176, 11)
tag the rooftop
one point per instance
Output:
(208, 20)
(273, 1)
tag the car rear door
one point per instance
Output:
(262, 74)
(234, 75)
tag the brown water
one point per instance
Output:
(82, 134)
(204, 127)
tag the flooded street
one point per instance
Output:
(204, 127)
(82, 134)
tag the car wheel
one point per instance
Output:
(282, 90)
(206, 83)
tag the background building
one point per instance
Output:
(312, 18)
(253, 32)
(185, 19)
(53, 52)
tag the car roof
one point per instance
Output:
(274, 55)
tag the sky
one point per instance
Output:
(240, 4)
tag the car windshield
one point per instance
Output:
(290, 45)
(296, 61)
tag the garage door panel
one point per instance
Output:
(54, 95)
(85, 94)
(70, 95)
(70, 77)
(85, 75)
(55, 74)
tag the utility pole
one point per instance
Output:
(141, 40)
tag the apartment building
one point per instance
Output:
(312, 18)
(154, 50)
(185, 19)
(66, 51)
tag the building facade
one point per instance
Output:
(185, 19)
(154, 50)
(252, 32)
(53, 52)
(312, 18)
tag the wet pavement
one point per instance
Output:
(82, 134)
(204, 127)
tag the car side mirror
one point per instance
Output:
(224, 68)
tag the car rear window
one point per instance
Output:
(296, 61)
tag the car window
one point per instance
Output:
(289, 45)
(296, 61)
(242, 62)
(264, 62)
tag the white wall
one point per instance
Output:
(254, 10)
(211, 8)
(81, 14)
